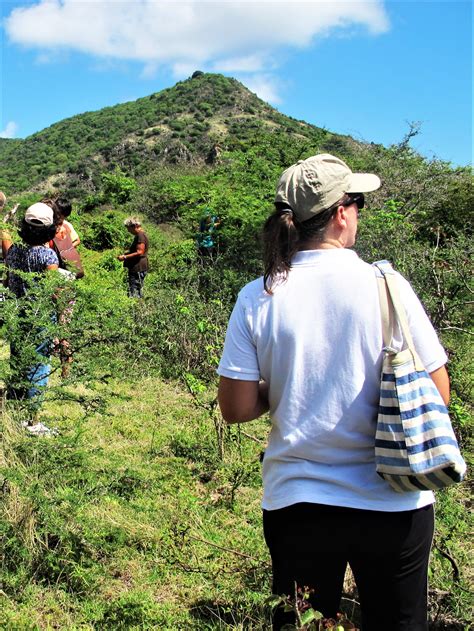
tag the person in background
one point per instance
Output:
(70, 266)
(206, 239)
(31, 255)
(136, 259)
(4, 233)
(64, 209)
(6, 242)
(5, 237)
(65, 238)
(304, 342)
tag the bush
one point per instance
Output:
(105, 232)
(117, 187)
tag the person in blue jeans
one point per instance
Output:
(30, 349)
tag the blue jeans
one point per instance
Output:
(38, 375)
(135, 284)
(30, 381)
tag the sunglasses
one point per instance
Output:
(355, 198)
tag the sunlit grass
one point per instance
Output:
(127, 515)
(128, 518)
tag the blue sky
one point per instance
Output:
(362, 68)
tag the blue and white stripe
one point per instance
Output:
(415, 446)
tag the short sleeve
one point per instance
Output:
(72, 232)
(425, 338)
(239, 358)
(50, 257)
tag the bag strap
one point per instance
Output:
(386, 311)
(390, 299)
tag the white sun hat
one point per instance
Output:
(39, 214)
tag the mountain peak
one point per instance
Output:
(181, 124)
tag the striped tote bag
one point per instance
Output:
(415, 445)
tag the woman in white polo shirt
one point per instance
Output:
(304, 342)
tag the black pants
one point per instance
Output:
(388, 554)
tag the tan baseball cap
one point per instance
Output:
(313, 185)
(39, 214)
(3, 199)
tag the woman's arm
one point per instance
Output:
(140, 251)
(74, 236)
(6, 243)
(440, 379)
(242, 401)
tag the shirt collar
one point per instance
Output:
(309, 257)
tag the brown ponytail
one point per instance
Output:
(284, 235)
(280, 243)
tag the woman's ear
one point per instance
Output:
(340, 216)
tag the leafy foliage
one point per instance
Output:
(206, 145)
(179, 124)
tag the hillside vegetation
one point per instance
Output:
(143, 511)
(178, 125)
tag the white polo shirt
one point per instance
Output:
(317, 342)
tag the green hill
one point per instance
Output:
(143, 511)
(197, 122)
(182, 124)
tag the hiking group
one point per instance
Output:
(48, 242)
(305, 344)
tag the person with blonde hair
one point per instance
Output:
(136, 259)
(305, 343)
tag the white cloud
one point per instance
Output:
(185, 32)
(182, 69)
(249, 63)
(10, 130)
(185, 35)
(264, 86)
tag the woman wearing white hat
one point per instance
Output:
(28, 381)
(305, 343)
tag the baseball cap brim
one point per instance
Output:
(363, 183)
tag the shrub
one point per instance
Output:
(117, 186)
(105, 232)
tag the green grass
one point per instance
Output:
(128, 519)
